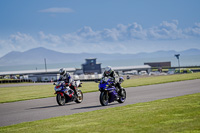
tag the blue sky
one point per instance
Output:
(99, 26)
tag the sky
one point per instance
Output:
(99, 26)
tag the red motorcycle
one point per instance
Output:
(65, 94)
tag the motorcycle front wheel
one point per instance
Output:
(79, 98)
(60, 99)
(104, 98)
(122, 97)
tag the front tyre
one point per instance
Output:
(60, 99)
(122, 97)
(104, 98)
(79, 98)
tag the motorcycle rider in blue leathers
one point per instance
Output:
(66, 77)
(109, 72)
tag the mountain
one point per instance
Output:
(37, 56)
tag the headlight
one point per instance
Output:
(58, 89)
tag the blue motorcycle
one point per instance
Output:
(65, 94)
(109, 93)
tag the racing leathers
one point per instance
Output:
(68, 81)
(115, 78)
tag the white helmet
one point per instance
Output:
(108, 70)
(67, 74)
(62, 71)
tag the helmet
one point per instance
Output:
(67, 74)
(108, 70)
(62, 71)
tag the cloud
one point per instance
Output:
(122, 39)
(166, 31)
(20, 41)
(57, 10)
(17, 42)
(20, 37)
(193, 31)
(49, 38)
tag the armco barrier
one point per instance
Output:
(15, 81)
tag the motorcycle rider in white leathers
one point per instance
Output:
(66, 77)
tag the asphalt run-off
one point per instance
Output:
(31, 110)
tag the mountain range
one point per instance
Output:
(37, 56)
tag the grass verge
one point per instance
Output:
(12, 94)
(178, 114)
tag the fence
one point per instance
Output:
(14, 80)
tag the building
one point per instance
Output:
(91, 66)
(158, 64)
(137, 69)
(38, 75)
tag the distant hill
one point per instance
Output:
(37, 55)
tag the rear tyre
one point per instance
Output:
(60, 99)
(104, 98)
(79, 98)
(122, 96)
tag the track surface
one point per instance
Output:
(31, 110)
(23, 84)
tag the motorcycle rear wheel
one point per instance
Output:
(60, 99)
(79, 98)
(104, 98)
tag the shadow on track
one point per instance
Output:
(97, 106)
(52, 106)
(88, 107)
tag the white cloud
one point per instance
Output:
(20, 41)
(17, 42)
(109, 35)
(50, 38)
(121, 39)
(193, 31)
(135, 31)
(86, 34)
(57, 10)
(166, 30)
(20, 37)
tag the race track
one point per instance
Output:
(31, 110)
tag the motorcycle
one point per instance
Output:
(65, 94)
(109, 93)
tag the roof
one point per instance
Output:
(90, 58)
(124, 68)
(36, 71)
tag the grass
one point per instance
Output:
(178, 114)
(20, 93)
(159, 79)
(12, 94)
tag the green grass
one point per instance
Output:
(178, 114)
(11, 94)
(159, 79)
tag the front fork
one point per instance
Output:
(61, 93)
(106, 95)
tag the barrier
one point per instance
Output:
(14, 81)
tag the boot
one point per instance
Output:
(120, 91)
(117, 97)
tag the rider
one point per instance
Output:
(109, 72)
(66, 77)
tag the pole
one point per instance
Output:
(45, 64)
(177, 56)
(179, 65)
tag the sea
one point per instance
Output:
(184, 61)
